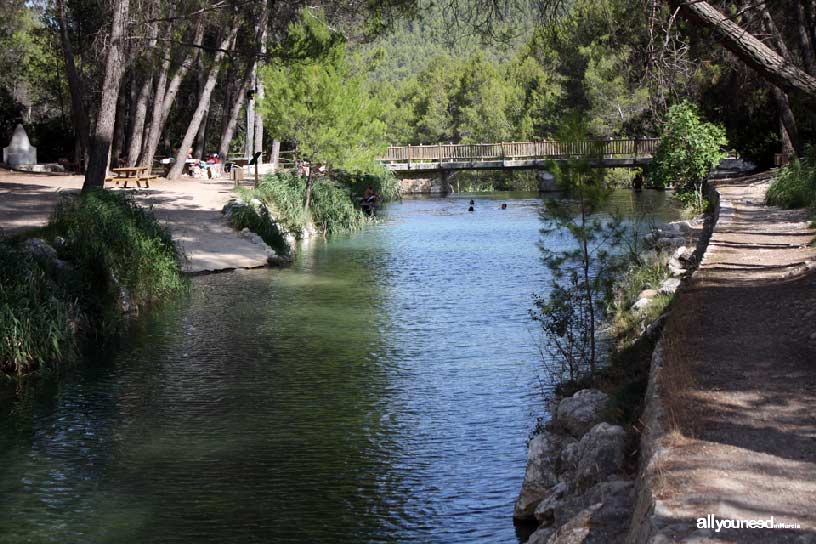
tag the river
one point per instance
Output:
(380, 390)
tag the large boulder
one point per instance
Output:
(670, 286)
(580, 412)
(604, 520)
(542, 458)
(541, 535)
(552, 501)
(601, 453)
(40, 249)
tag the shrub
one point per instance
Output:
(383, 182)
(647, 273)
(689, 148)
(34, 314)
(332, 207)
(795, 184)
(115, 243)
(112, 246)
(258, 220)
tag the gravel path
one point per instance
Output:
(745, 335)
(190, 208)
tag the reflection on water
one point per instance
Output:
(380, 390)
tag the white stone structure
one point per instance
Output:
(19, 152)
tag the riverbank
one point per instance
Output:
(728, 416)
(579, 484)
(191, 209)
(100, 259)
(729, 423)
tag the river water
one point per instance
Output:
(379, 390)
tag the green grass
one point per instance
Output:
(114, 242)
(34, 314)
(258, 220)
(649, 273)
(795, 184)
(111, 247)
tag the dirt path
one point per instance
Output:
(745, 345)
(190, 208)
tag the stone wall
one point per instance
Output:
(425, 184)
(648, 524)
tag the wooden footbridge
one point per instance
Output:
(620, 153)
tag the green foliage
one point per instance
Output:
(795, 184)
(613, 101)
(34, 314)
(110, 247)
(472, 100)
(114, 243)
(583, 273)
(645, 273)
(315, 100)
(384, 183)
(332, 209)
(689, 148)
(258, 220)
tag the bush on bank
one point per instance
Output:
(333, 207)
(795, 184)
(112, 257)
(34, 313)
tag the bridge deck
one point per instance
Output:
(519, 155)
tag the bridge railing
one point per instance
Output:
(522, 150)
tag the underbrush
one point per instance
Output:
(258, 220)
(34, 314)
(795, 183)
(626, 322)
(113, 257)
(625, 372)
(333, 205)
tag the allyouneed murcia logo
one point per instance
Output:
(711, 522)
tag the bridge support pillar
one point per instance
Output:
(425, 183)
(546, 182)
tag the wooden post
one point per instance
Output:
(409, 157)
(439, 153)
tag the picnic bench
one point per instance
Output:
(132, 173)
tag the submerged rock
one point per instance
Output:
(580, 412)
(540, 475)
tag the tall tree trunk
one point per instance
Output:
(262, 33)
(308, 200)
(234, 114)
(274, 156)
(78, 115)
(203, 103)
(166, 96)
(119, 127)
(250, 113)
(788, 130)
(137, 126)
(770, 65)
(152, 130)
(201, 136)
(258, 131)
(805, 42)
(114, 68)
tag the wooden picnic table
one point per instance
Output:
(133, 173)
